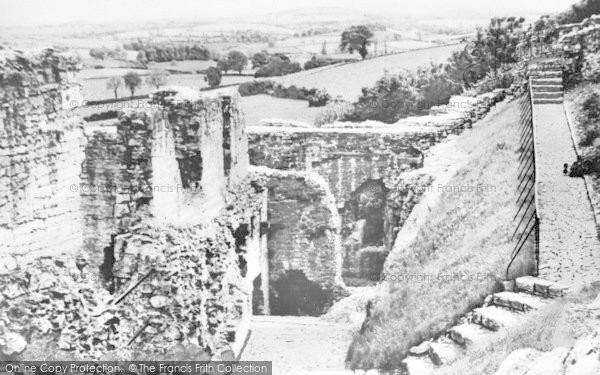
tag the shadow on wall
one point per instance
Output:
(293, 294)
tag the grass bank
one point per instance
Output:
(460, 252)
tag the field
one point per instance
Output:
(259, 107)
(347, 80)
(182, 66)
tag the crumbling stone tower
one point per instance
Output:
(137, 237)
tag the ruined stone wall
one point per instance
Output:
(41, 150)
(346, 158)
(168, 213)
(350, 159)
(304, 230)
(167, 164)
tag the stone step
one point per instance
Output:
(541, 287)
(546, 73)
(547, 101)
(495, 317)
(546, 81)
(418, 365)
(470, 334)
(547, 95)
(546, 88)
(517, 301)
(444, 351)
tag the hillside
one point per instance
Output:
(465, 238)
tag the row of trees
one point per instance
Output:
(132, 81)
(111, 53)
(169, 52)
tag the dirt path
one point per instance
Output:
(299, 345)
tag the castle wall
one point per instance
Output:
(304, 230)
(161, 203)
(41, 150)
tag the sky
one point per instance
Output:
(52, 12)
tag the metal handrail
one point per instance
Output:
(526, 187)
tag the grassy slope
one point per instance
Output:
(467, 234)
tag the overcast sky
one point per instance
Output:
(40, 12)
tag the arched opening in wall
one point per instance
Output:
(363, 227)
(225, 111)
(367, 206)
(190, 170)
(294, 294)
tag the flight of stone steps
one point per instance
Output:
(483, 325)
(546, 85)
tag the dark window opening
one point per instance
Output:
(190, 170)
(241, 238)
(368, 203)
(106, 268)
(225, 110)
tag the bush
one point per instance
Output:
(315, 97)
(585, 165)
(392, 98)
(591, 107)
(589, 136)
(591, 67)
(277, 67)
(490, 82)
(580, 11)
(317, 63)
(255, 88)
(319, 99)
(334, 111)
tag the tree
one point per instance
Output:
(213, 76)
(259, 59)
(237, 61)
(278, 67)
(98, 53)
(132, 81)
(114, 83)
(222, 65)
(157, 78)
(142, 58)
(356, 38)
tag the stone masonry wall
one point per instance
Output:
(346, 158)
(41, 150)
(304, 227)
(177, 269)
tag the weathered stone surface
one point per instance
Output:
(41, 151)
(161, 244)
(12, 343)
(304, 231)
